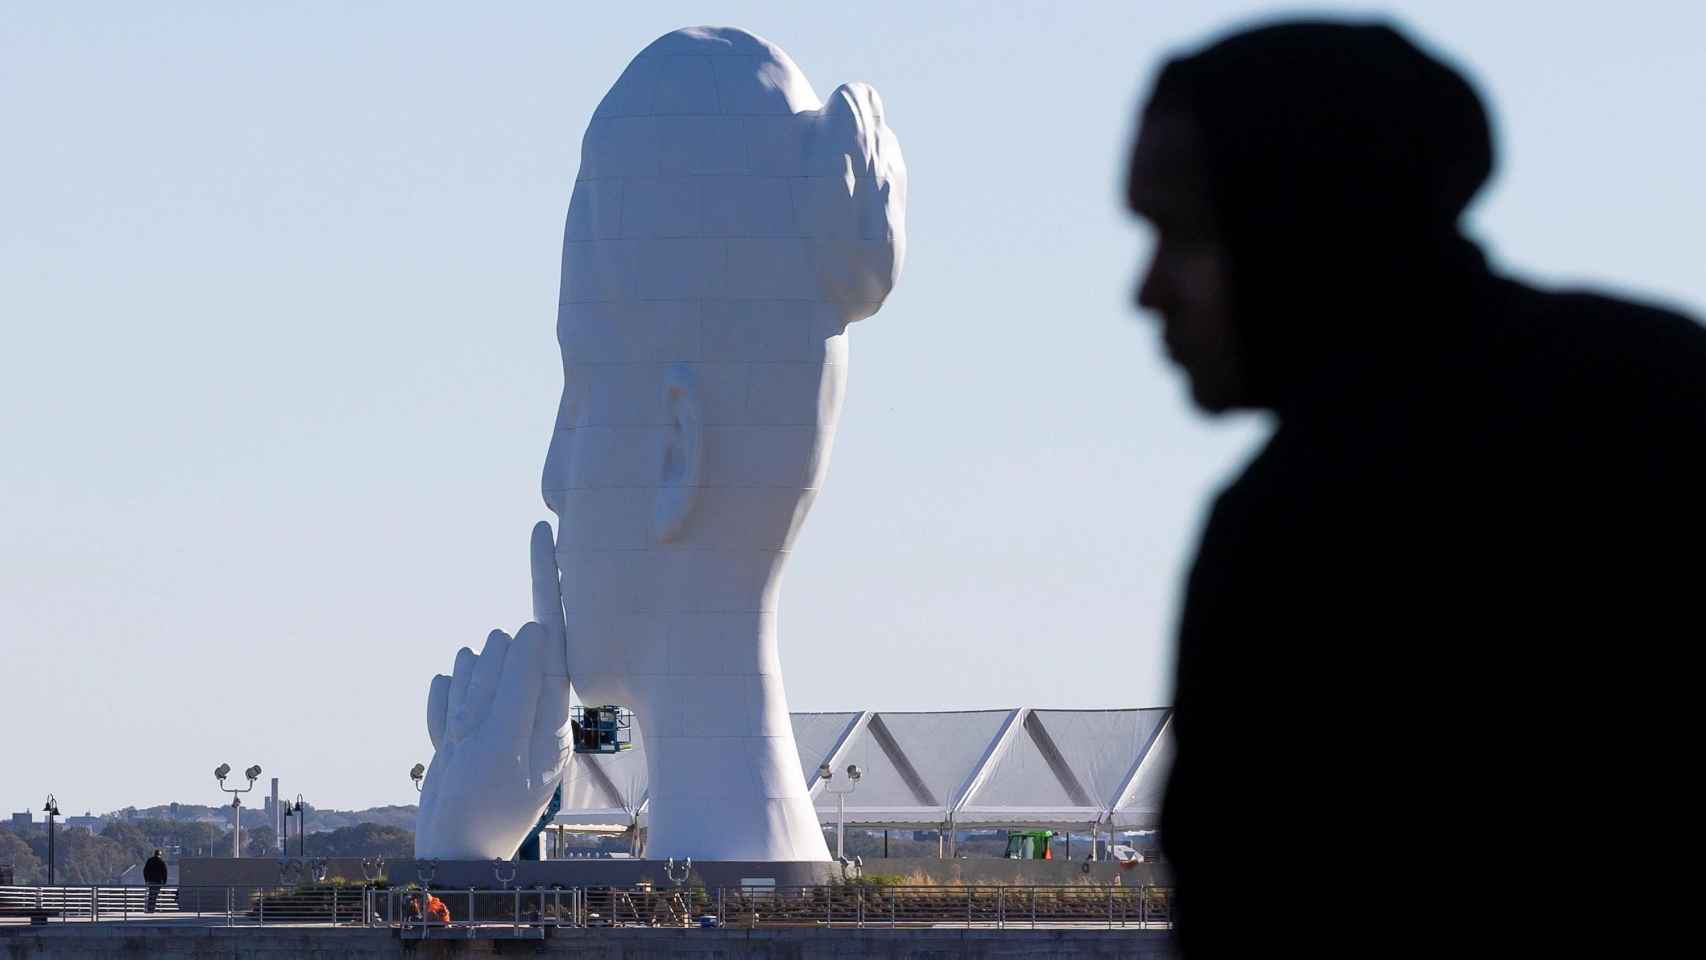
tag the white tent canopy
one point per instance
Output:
(1020, 767)
(604, 792)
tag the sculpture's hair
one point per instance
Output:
(727, 72)
(712, 171)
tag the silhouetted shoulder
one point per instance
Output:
(1619, 336)
(1590, 304)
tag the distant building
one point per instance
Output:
(23, 820)
(87, 821)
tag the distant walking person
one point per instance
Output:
(154, 874)
(1433, 644)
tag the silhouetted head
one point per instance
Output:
(1300, 177)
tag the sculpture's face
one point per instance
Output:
(723, 232)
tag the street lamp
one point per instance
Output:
(220, 773)
(300, 812)
(417, 773)
(826, 773)
(52, 810)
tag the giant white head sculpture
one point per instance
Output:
(726, 227)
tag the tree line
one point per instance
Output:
(81, 857)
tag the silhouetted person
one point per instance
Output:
(1431, 683)
(154, 874)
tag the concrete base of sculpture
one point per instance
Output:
(460, 874)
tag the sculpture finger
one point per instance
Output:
(517, 693)
(484, 684)
(438, 708)
(460, 676)
(550, 742)
(548, 599)
(551, 718)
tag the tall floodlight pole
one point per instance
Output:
(827, 774)
(52, 810)
(220, 773)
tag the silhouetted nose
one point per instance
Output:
(1149, 294)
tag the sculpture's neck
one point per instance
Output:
(718, 737)
(710, 673)
(701, 672)
(694, 581)
(724, 773)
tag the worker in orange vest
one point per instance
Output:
(435, 909)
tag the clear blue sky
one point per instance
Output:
(278, 286)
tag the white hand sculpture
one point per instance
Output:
(500, 731)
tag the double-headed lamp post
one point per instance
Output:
(826, 773)
(300, 812)
(220, 773)
(52, 810)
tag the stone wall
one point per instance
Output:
(261, 871)
(201, 880)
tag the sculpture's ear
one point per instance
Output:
(849, 125)
(856, 209)
(683, 453)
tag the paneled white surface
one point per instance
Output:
(707, 283)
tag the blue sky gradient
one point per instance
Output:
(278, 288)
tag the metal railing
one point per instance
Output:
(471, 912)
(224, 905)
(999, 907)
(529, 912)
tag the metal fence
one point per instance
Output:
(173, 903)
(519, 912)
(859, 905)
